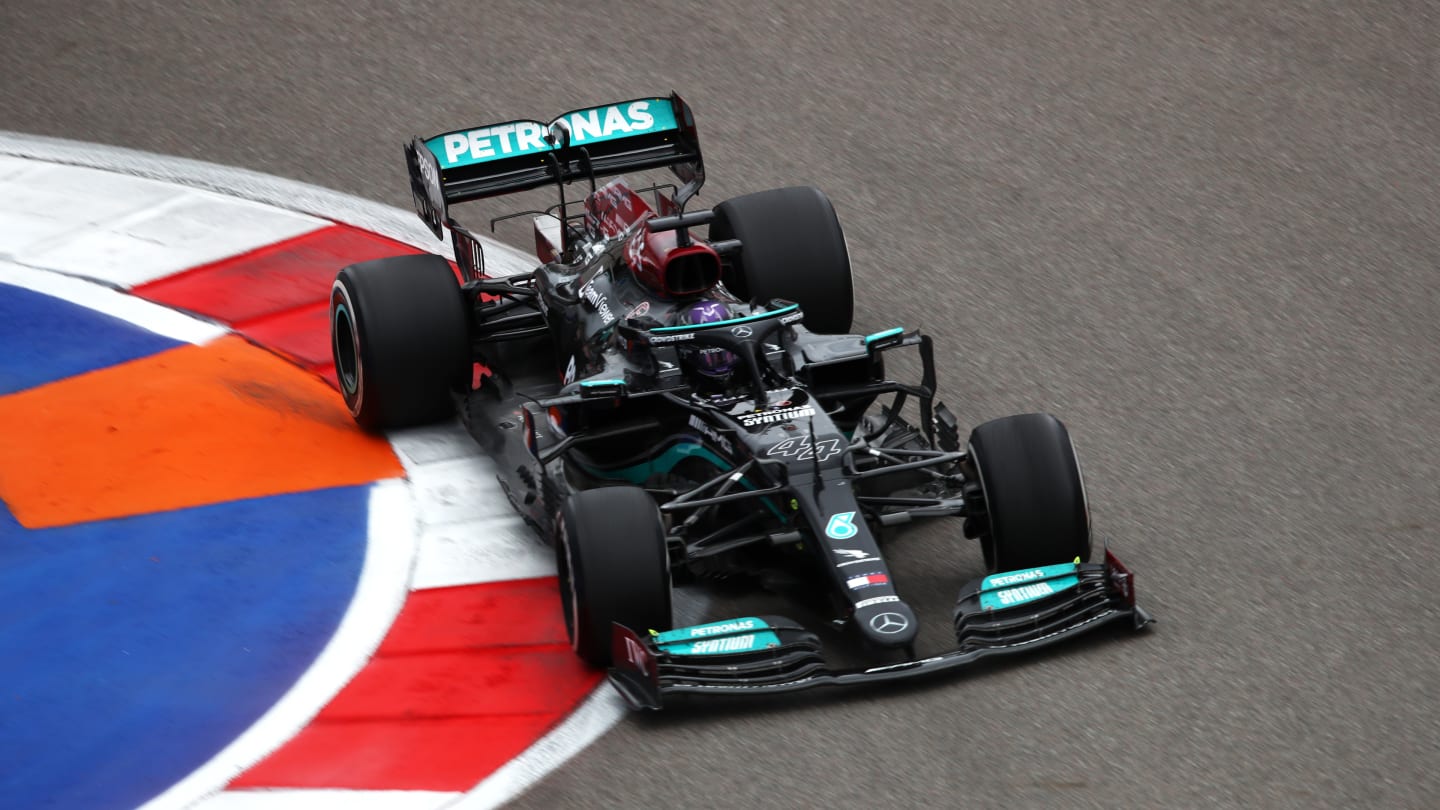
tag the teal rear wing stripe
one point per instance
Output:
(512, 156)
(590, 126)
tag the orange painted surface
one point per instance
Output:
(190, 426)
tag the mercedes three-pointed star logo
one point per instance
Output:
(889, 623)
(741, 331)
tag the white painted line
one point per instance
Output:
(144, 314)
(288, 799)
(601, 710)
(379, 595)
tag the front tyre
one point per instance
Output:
(791, 247)
(613, 566)
(1034, 495)
(400, 338)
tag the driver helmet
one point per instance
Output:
(710, 361)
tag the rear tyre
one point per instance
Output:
(791, 247)
(613, 566)
(1034, 495)
(400, 339)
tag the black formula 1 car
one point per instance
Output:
(668, 407)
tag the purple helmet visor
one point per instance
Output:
(708, 360)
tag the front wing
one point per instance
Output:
(1002, 614)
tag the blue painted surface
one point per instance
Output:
(44, 339)
(134, 650)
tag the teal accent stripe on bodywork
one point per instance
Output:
(662, 464)
(744, 624)
(882, 335)
(1011, 588)
(638, 474)
(731, 322)
(718, 638)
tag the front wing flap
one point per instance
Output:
(754, 650)
(1001, 614)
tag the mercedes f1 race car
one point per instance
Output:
(666, 408)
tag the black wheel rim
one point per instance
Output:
(347, 352)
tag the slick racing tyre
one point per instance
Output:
(791, 247)
(613, 566)
(1034, 494)
(400, 338)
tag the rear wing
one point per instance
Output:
(496, 159)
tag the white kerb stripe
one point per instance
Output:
(292, 195)
(42, 204)
(187, 229)
(469, 533)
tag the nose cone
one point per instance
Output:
(888, 624)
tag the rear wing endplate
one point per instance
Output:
(496, 159)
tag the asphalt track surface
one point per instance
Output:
(1202, 233)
